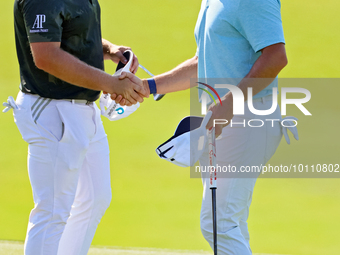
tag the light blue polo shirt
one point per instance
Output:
(230, 35)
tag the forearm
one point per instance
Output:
(178, 78)
(106, 48)
(68, 68)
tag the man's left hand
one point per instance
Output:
(223, 112)
(115, 53)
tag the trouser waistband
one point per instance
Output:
(73, 101)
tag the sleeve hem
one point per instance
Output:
(35, 39)
(263, 45)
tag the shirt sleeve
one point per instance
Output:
(260, 22)
(43, 20)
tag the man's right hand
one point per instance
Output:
(142, 92)
(131, 91)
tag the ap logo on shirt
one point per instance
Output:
(38, 24)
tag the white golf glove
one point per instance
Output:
(289, 122)
(9, 104)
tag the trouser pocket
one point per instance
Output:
(78, 128)
(23, 119)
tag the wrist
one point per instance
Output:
(146, 86)
(152, 86)
(111, 84)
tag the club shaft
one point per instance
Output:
(146, 70)
(213, 199)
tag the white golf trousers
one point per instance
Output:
(68, 166)
(238, 146)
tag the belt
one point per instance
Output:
(73, 101)
(79, 101)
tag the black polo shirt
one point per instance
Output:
(74, 23)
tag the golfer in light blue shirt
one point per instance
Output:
(239, 42)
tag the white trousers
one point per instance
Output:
(238, 146)
(68, 165)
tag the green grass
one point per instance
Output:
(16, 248)
(156, 204)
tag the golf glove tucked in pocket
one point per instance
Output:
(290, 125)
(10, 104)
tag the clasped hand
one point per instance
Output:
(135, 90)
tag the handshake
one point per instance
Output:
(130, 89)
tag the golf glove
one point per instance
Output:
(9, 104)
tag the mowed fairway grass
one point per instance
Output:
(156, 204)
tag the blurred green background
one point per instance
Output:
(156, 204)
